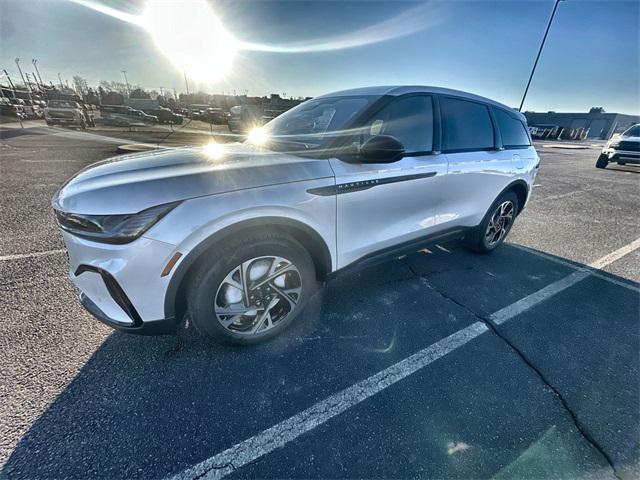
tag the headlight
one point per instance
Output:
(113, 228)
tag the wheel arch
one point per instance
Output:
(309, 238)
(521, 189)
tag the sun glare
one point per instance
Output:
(258, 136)
(213, 150)
(192, 37)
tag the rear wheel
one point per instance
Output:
(603, 161)
(495, 225)
(252, 289)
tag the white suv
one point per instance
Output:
(624, 148)
(241, 235)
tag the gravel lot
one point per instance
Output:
(546, 386)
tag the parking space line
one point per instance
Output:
(19, 256)
(554, 288)
(622, 283)
(618, 254)
(267, 441)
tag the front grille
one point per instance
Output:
(629, 146)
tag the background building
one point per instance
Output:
(595, 124)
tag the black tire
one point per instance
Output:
(214, 268)
(477, 240)
(603, 161)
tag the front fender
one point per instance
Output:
(197, 224)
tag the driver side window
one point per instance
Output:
(409, 119)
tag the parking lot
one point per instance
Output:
(442, 364)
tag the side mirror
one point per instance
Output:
(381, 149)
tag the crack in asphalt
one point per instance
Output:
(494, 328)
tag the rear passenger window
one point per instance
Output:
(409, 119)
(466, 125)
(512, 130)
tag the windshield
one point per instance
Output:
(632, 132)
(314, 122)
(63, 104)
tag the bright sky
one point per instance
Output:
(592, 56)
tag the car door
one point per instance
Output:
(478, 168)
(382, 205)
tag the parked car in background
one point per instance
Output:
(623, 148)
(243, 118)
(9, 109)
(198, 111)
(124, 116)
(243, 242)
(165, 115)
(65, 112)
(32, 110)
(216, 115)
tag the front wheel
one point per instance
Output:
(251, 289)
(603, 161)
(495, 225)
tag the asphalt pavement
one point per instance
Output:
(442, 364)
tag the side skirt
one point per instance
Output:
(390, 253)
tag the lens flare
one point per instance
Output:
(213, 150)
(192, 37)
(258, 136)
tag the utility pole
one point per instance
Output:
(60, 80)
(126, 81)
(35, 64)
(23, 80)
(535, 64)
(186, 81)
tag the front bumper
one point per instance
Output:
(64, 121)
(167, 326)
(615, 154)
(121, 285)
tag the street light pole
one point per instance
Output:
(186, 81)
(13, 87)
(35, 64)
(126, 81)
(23, 80)
(535, 64)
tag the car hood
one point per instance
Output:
(132, 183)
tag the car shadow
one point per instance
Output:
(629, 167)
(6, 134)
(146, 407)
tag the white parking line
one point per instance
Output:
(18, 256)
(277, 436)
(265, 442)
(626, 284)
(618, 254)
(543, 294)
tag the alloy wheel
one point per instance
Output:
(257, 295)
(500, 223)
